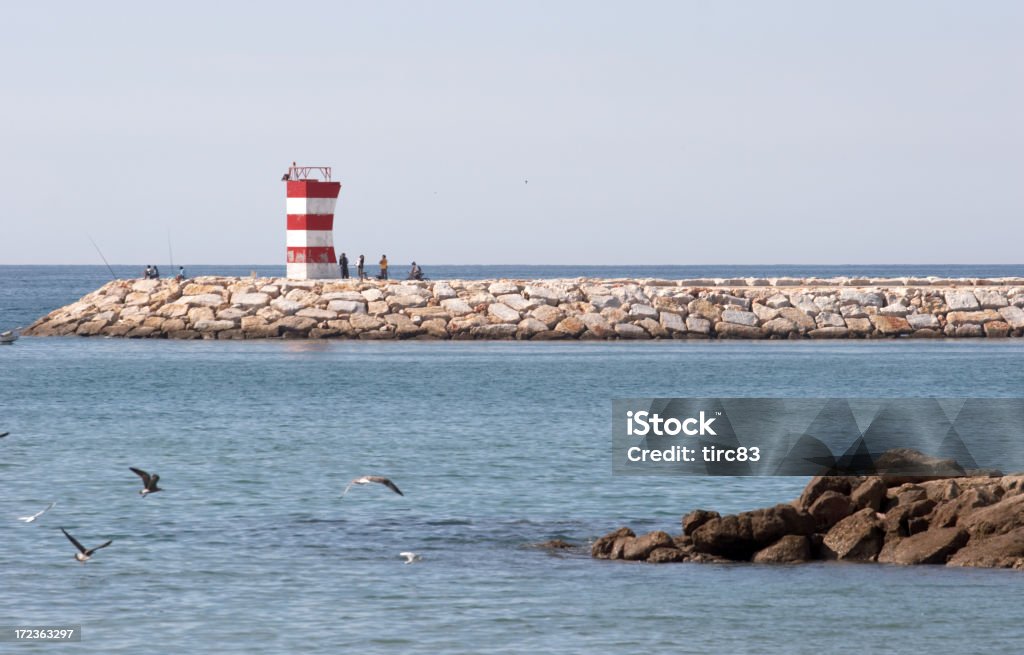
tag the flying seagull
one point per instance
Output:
(410, 557)
(148, 481)
(84, 553)
(3, 434)
(367, 479)
(29, 519)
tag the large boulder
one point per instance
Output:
(856, 538)
(830, 508)
(869, 493)
(610, 546)
(639, 548)
(1005, 516)
(788, 550)
(901, 465)
(1002, 551)
(928, 547)
(822, 483)
(697, 518)
(739, 536)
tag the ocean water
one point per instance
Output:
(497, 446)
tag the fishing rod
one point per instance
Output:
(102, 257)
(170, 253)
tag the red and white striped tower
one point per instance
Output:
(310, 208)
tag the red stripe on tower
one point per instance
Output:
(310, 223)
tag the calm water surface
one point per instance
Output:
(496, 446)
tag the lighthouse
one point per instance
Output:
(310, 208)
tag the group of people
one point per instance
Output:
(416, 273)
(153, 273)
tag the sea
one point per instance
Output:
(497, 447)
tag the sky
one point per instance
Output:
(548, 132)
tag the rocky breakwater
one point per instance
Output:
(784, 308)
(967, 521)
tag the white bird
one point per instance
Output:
(410, 557)
(29, 519)
(367, 479)
(84, 553)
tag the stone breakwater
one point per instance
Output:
(784, 308)
(965, 521)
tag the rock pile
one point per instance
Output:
(966, 521)
(784, 308)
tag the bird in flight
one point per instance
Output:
(367, 479)
(148, 481)
(84, 553)
(410, 557)
(3, 434)
(29, 519)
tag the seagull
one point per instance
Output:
(84, 553)
(367, 479)
(410, 557)
(148, 481)
(29, 519)
(3, 434)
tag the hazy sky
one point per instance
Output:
(650, 132)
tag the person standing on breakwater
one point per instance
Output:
(383, 268)
(148, 273)
(156, 273)
(361, 268)
(343, 264)
(181, 274)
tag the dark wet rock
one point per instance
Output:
(856, 538)
(611, 543)
(787, 550)
(901, 465)
(822, 483)
(641, 547)
(869, 493)
(928, 547)
(739, 536)
(697, 518)
(830, 508)
(1001, 551)
(665, 554)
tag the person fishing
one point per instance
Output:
(343, 264)
(416, 273)
(361, 267)
(383, 268)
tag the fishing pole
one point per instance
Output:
(102, 257)
(170, 253)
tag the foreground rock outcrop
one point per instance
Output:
(963, 521)
(784, 308)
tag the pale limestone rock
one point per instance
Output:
(597, 324)
(859, 297)
(516, 302)
(778, 301)
(763, 312)
(600, 302)
(1014, 316)
(779, 326)
(698, 325)
(921, 321)
(145, 286)
(212, 326)
(377, 307)
(830, 319)
(672, 322)
(631, 331)
(530, 326)
(317, 314)
(231, 314)
(202, 300)
(456, 306)
(363, 322)
(251, 299)
(195, 314)
(443, 291)
(372, 294)
(285, 306)
(351, 296)
(503, 313)
(643, 311)
(407, 300)
(347, 306)
(546, 295)
(740, 317)
(961, 300)
(501, 288)
(548, 315)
